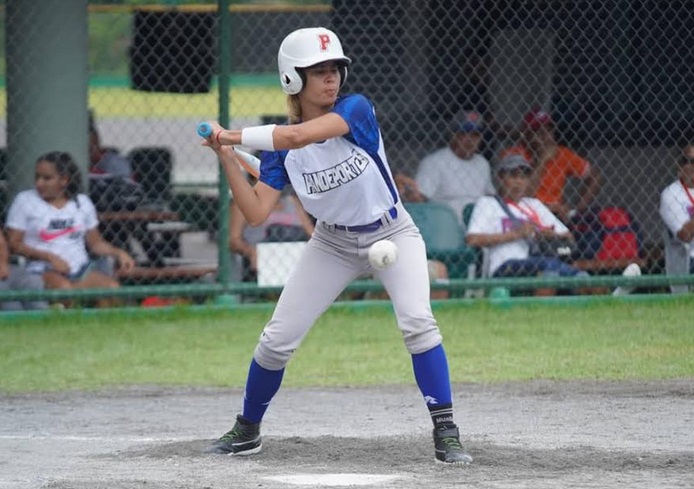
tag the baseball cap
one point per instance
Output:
(470, 122)
(536, 119)
(513, 161)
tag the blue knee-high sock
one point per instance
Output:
(431, 374)
(261, 386)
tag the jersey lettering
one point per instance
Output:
(340, 174)
(324, 40)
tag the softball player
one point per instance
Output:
(332, 153)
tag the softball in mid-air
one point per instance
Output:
(382, 254)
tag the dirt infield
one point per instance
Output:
(522, 435)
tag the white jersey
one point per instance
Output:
(344, 180)
(488, 217)
(58, 231)
(445, 178)
(676, 208)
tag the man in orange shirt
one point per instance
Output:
(553, 165)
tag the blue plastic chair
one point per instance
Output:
(443, 236)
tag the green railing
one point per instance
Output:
(214, 290)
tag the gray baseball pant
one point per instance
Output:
(334, 258)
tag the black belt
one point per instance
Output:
(367, 228)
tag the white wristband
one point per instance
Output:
(259, 137)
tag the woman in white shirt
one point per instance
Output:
(56, 228)
(508, 238)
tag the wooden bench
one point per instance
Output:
(148, 227)
(144, 215)
(156, 221)
(614, 265)
(164, 275)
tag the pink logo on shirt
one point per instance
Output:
(47, 235)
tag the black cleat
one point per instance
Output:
(243, 439)
(447, 447)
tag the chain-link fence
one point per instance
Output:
(596, 96)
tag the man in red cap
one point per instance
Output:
(553, 164)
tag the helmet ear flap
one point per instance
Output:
(292, 81)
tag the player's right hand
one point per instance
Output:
(226, 153)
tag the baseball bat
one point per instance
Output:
(204, 130)
(247, 161)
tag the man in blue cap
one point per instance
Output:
(455, 175)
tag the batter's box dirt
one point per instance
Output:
(411, 458)
(535, 435)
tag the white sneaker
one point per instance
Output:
(633, 270)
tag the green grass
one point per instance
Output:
(350, 347)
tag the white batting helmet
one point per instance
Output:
(307, 47)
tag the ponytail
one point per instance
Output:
(293, 109)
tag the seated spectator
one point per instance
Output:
(455, 175)
(112, 187)
(56, 228)
(677, 202)
(507, 225)
(111, 183)
(14, 277)
(287, 222)
(103, 161)
(553, 164)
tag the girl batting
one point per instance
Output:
(332, 154)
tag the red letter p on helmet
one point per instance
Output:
(324, 40)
